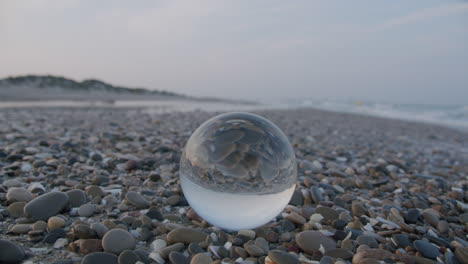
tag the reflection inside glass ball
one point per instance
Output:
(238, 171)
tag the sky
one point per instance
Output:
(371, 50)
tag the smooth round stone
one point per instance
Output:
(443, 226)
(463, 218)
(431, 218)
(89, 246)
(39, 226)
(311, 241)
(412, 215)
(128, 257)
(86, 210)
(167, 250)
(117, 240)
(281, 257)
(83, 231)
(94, 191)
(326, 260)
(371, 253)
(55, 222)
(201, 258)
(358, 209)
(143, 255)
(176, 257)
(53, 235)
(341, 253)
(100, 229)
(173, 200)
(367, 240)
(76, 197)
(316, 194)
(328, 213)
(194, 248)
(462, 254)
(401, 240)
(16, 209)
(185, 235)
(101, 258)
(20, 229)
(10, 252)
(426, 249)
(45, 206)
(254, 250)
(17, 194)
(137, 200)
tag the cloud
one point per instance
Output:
(424, 14)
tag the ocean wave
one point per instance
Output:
(449, 115)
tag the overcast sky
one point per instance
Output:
(381, 50)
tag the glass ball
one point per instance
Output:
(238, 171)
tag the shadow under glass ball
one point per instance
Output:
(238, 170)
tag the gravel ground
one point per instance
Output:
(101, 186)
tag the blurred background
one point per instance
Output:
(399, 59)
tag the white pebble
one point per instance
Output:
(156, 257)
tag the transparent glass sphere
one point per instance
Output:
(238, 171)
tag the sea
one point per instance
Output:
(454, 116)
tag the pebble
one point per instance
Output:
(178, 258)
(201, 258)
(39, 226)
(86, 210)
(173, 200)
(462, 254)
(117, 240)
(358, 209)
(137, 200)
(247, 232)
(367, 240)
(17, 194)
(167, 250)
(316, 194)
(412, 215)
(55, 222)
(281, 257)
(311, 241)
(16, 209)
(101, 258)
(431, 218)
(128, 257)
(253, 250)
(341, 253)
(158, 244)
(89, 246)
(45, 206)
(371, 253)
(426, 249)
(328, 213)
(185, 235)
(53, 235)
(83, 231)
(60, 243)
(296, 198)
(10, 252)
(76, 197)
(443, 226)
(401, 240)
(20, 229)
(296, 218)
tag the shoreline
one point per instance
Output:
(364, 184)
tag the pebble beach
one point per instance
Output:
(101, 185)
